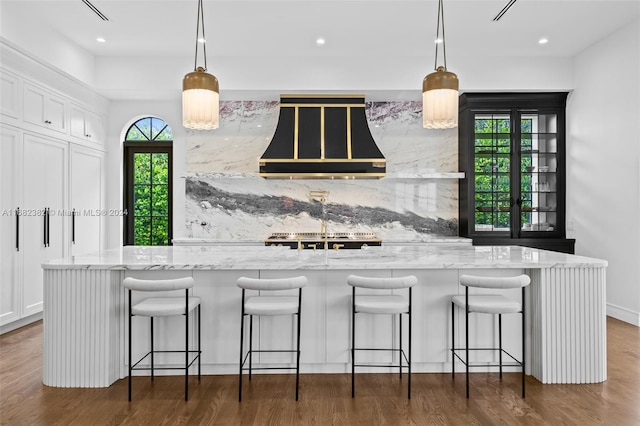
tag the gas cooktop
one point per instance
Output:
(318, 240)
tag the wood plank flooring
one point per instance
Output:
(324, 399)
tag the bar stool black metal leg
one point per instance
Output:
(353, 343)
(241, 342)
(453, 341)
(130, 369)
(400, 347)
(410, 338)
(199, 345)
(523, 341)
(186, 348)
(250, 344)
(500, 343)
(466, 339)
(152, 349)
(298, 348)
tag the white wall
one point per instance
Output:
(603, 181)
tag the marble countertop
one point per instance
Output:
(213, 242)
(282, 258)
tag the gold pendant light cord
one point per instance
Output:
(204, 40)
(444, 44)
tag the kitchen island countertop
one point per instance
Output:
(279, 258)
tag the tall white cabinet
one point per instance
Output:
(52, 190)
(86, 199)
(43, 221)
(10, 202)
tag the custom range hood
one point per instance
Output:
(322, 136)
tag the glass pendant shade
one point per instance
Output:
(440, 100)
(200, 90)
(200, 101)
(440, 88)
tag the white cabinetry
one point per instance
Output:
(33, 182)
(52, 164)
(86, 199)
(9, 87)
(10, 201)
(44, 108)
(43, 220)
(85, 124)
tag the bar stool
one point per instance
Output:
(388, 304)
(164, 307)
(495, 304)
(262, 305)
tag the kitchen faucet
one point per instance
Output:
(321, 196)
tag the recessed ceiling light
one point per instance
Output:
(320, 41)
(201, 40)
(259, 125)
(543, 41)
(101, 40)
(438, 40)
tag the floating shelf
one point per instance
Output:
(434, 175)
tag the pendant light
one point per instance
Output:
(200, 90)
(440, 89)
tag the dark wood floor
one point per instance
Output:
(324, 399)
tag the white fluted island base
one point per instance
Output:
(85, 308)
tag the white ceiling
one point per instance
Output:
(380, 30)
(351, 28)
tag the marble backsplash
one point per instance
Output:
(226, 200)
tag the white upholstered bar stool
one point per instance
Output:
(163, 307)
(495, 304)
(263, 304)
(381, 304)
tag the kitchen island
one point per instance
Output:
(85, 307)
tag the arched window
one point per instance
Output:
(148, 183)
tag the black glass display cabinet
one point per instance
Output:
(512, 150)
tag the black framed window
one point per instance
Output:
(148, 159)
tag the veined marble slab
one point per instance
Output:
(283, 258)
(226, 200)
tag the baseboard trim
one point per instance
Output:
(20, 323)
(623, 314)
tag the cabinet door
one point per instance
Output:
(538, 168)
(85, 124)
(515, 173)
(10, 99)
(44, 108)
(86, 200)
(45, 179)
(492, 158)
(93, 127)
(76, 122)
(10, 283)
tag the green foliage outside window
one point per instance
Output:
(151, 198)
(492, 169)
(150, 185)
